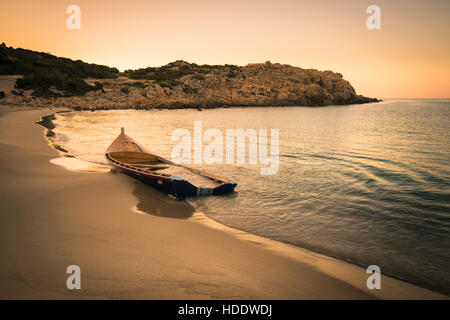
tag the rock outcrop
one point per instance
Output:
(193, 86)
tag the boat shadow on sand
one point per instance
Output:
(156, 203)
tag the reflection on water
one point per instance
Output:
(368, 184)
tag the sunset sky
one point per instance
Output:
(408, 58)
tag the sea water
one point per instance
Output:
(368, 184)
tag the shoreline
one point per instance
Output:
(330, 265)
(298, 253)
(282, 265)
(72, 163)
(70, 108)
(342, 270)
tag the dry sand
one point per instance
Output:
(51, 218)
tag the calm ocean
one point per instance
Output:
(368, 184)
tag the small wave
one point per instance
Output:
(75, 164)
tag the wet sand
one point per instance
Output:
(52, 217)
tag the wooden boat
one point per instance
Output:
(130, 158)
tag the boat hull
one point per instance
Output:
(177, 186)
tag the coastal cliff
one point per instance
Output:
(48, 80)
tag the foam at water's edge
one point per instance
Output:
(76, 164)
(67, 160)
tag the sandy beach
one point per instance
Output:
(52, 217)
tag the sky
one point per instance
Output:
(409, 57)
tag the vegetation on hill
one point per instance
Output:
(178, 84)
(175, 70)
(43, 72)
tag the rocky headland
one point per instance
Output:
(52, 81)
